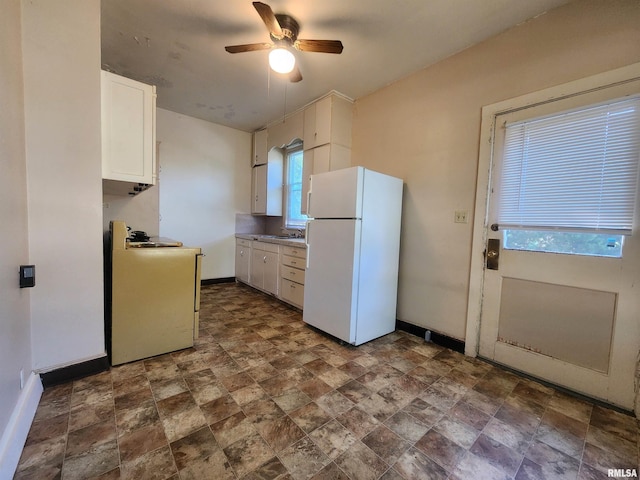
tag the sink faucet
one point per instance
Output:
(298, 233)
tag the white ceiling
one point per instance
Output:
(178, 46)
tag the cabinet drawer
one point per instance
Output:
(266, 247)
(292, 292)
(294, 262)
(243, 242)
(294, 252)
(293, 274)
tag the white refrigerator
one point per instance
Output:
(353, 242)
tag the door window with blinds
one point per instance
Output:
(569, 180)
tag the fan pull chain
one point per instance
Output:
(268, 86)
(284, 110)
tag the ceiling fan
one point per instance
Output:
(283, 30)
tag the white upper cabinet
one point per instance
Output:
(328, 120)
(259, 189)
(327, 138)
(260, 148)
(285, 132)
(266, 186)
(128, 133)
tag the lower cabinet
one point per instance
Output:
(264, 266)
(243, 259)
(272, 268)
(292, 292)
(292, 264)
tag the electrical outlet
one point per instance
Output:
(460, 216)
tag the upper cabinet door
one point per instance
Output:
(259, 190)
(323, 121)
(260, 148)
(328, 121)
(309, 127)
(317, 123)
(128, 130)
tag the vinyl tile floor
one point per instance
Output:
(263, 396)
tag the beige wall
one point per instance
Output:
(15, 324)
(61, 58)
(425, 129)
(205, 179)
(140, 212)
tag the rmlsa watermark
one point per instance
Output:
(622, 473)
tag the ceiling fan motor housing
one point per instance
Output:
(290, 29)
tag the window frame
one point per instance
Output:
(292, 149)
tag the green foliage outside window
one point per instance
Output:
(595, 244)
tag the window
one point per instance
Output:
(569, 180)
(293, 217)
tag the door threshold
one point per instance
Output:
(560, 388)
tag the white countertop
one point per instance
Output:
(282, 240)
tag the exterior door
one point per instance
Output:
(571, 319)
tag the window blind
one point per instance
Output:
(577, 170)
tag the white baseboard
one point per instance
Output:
(15, 435)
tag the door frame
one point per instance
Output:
(618, 76)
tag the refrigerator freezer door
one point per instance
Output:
(337, 194)
(330, 292)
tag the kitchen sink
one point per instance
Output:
(276, 236)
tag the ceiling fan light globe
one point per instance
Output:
(281, 60)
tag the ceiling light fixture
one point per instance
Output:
(281, 60)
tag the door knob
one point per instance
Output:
(493, 253)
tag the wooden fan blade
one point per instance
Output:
(269, 19)
(295, 76)
(249, 47)
(322, 46)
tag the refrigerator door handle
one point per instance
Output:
(307, 236)
(309, 201)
